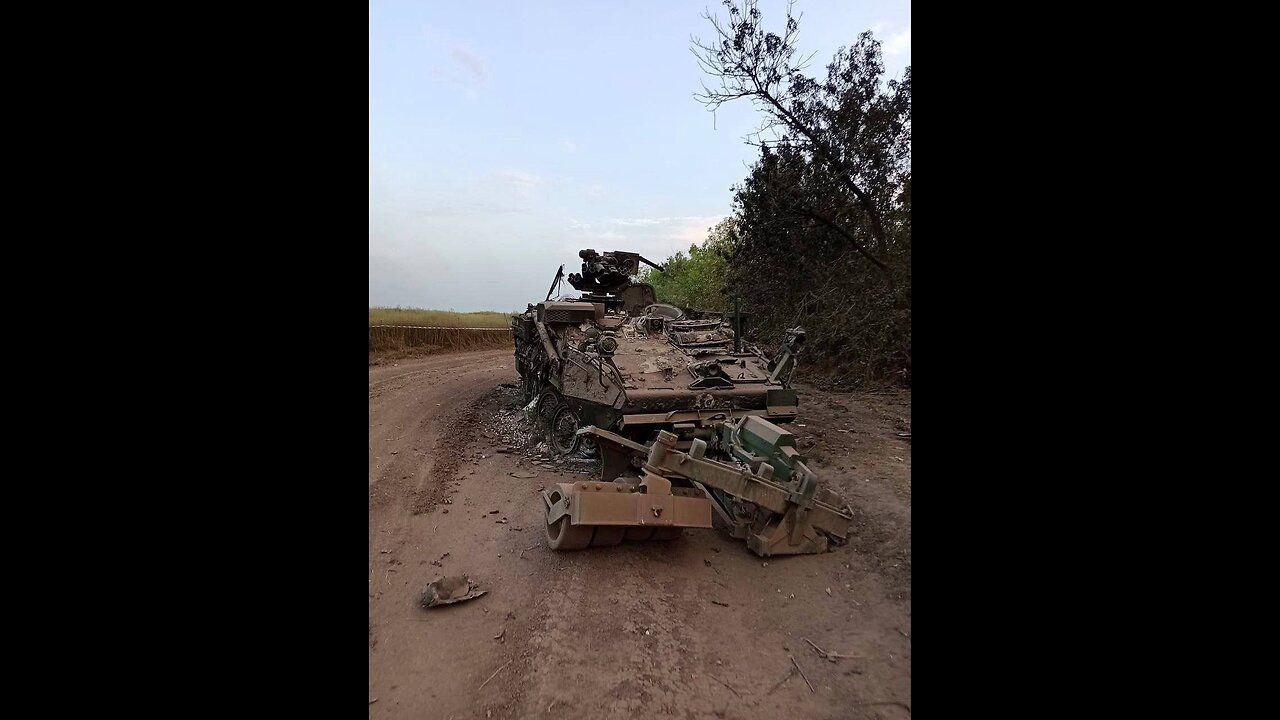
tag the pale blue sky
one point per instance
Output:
(504, 137)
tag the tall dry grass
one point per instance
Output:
(415, 331)
(437, 318)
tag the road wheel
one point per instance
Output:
(588, 447)
(562, 433)
(548, 403)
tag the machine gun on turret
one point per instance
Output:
(606, 279)
(609, 272)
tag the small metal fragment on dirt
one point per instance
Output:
(373, 701)
(523, 475)
(828, 592)
(500, 635)
(717, 602)
(448, 590)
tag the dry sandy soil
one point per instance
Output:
(628, 631)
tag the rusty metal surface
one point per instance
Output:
(799, 516)
(620, 365)
(614, 373)
(612, 503)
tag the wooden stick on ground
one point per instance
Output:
(735, 692)
(830, 655)
(495, 674)
(793, 662)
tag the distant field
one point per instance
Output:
(437, 318)
(423, 332)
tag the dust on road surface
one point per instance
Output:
(697, 627)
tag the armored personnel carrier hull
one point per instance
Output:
(616, 374)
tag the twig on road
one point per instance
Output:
(495, 674)
(806, 680)
(735, 692)
(832, 656)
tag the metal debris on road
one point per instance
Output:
(448, 590)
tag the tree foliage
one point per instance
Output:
(696, 280)
(823, 222)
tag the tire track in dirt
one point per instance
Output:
(446, 456)
(627, 631)
(411, 415)
(614, 643)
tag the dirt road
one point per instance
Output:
(697, 627)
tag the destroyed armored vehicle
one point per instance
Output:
(679, 401)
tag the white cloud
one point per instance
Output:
(898, 44)
(642, 222)
(519, 180)
(471, 61)
(695, 229)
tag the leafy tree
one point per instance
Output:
(696, 280)
(857, 136)
(823, 231)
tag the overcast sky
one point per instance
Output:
(504, 137)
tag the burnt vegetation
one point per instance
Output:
(820, 234)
